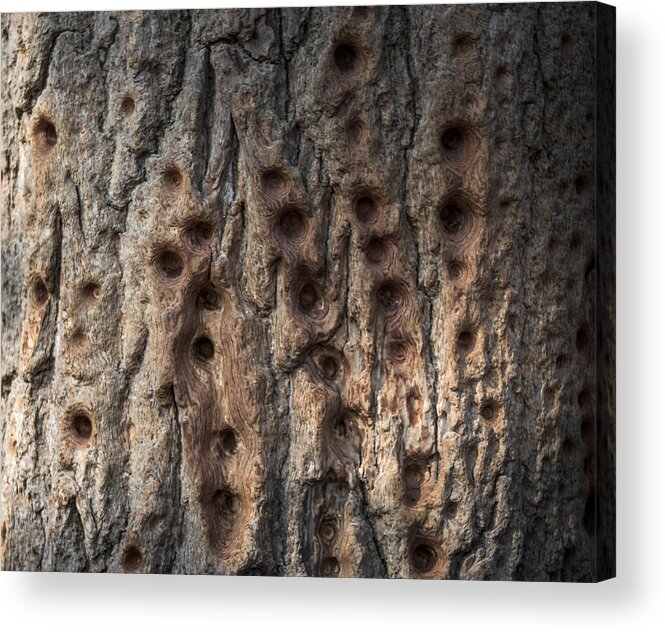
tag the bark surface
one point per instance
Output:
(303, 292)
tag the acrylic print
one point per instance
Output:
(320, 292)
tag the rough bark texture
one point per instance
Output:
(307, 292)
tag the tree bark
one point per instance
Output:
(305, 292)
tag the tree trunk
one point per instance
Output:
(307, 292)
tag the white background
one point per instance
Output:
(632, 602)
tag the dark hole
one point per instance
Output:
(582, 340)
(203, 348)
(329, 366)
(81, 428)
(208, 298)
(424, 558)
(456, 270)
(341, 428)
(451, 140)
(292, 224)
(345, 57)
(453, 217)
(273, 181)
(580, 184)
(365, 209)
(568, 446)
(39, 292)
(92, 291)
(397, 351)
(132, 559)
(46, 134)
(388, 297)
(228, 441)
(488, 411)
(170, 264)
(465, 340)
(451, 509)
(172, 178)
(127, 106)
(199, 233)
(225, 501)
(462, 44)
(584, 398)
(375, 250)
(309, 298)
(328, 531)
(355, 131)
(414, 475)
(330, 567)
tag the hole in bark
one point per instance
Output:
(208, 298)
(330, 567)
(423, 558)
(463, 45)
(488, 411)
(45, 135)
(376, 250)
(292, 223)
(566, 40)
(456, 217)
(415, 475)
(38, 292)
(273, 182)
(584, 398)
(466, 340)
(91, 292)
(389, 297)
(203, 348)
(172, 178)
(3, 532)
(132, 559)
(366, 209)
(310, 298)
(346, 58)
(456, 270)
(582, 340)
(328, 531)
(568, 446)
(503, 76)
(198, 233)
(581, 184)
(397, 351)
(169, 263)
(451, 509)
(225, 503)
(457, 143)
(329, 366)
(356, 131)
(225, 443)
(127, 105)
(80, 428)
